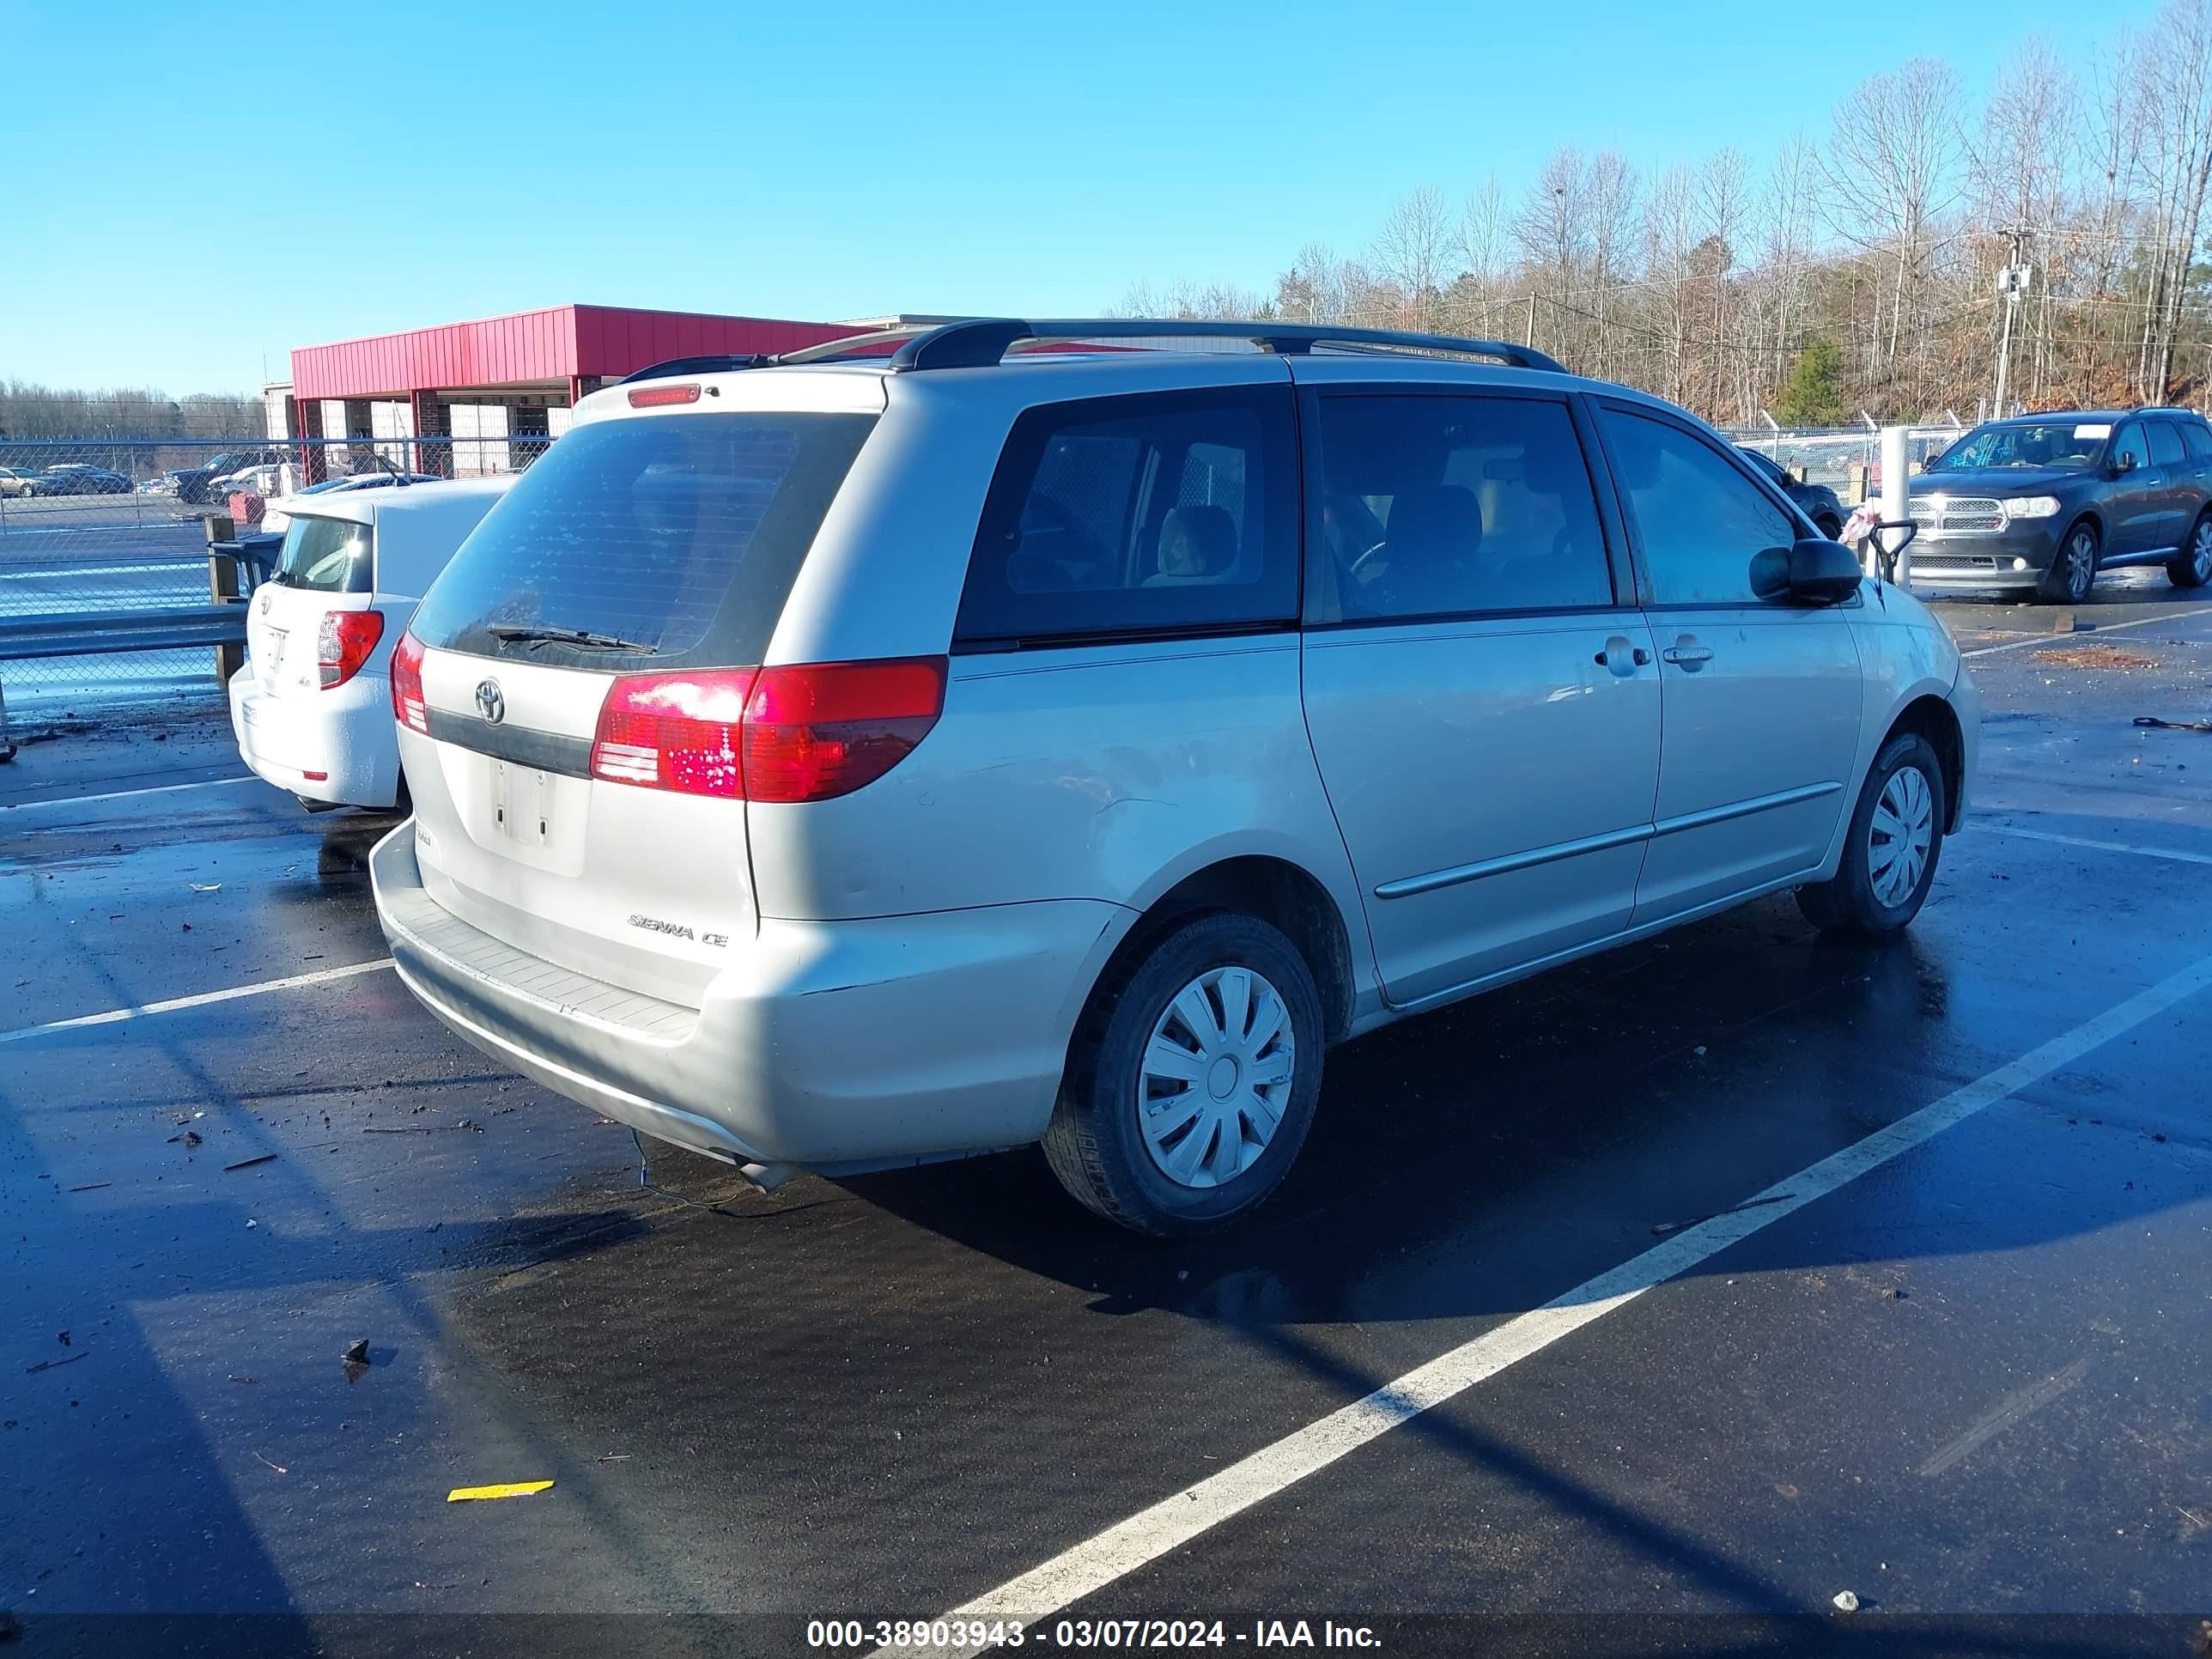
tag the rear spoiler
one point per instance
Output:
(721, 363)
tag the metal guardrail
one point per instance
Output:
(103, 633)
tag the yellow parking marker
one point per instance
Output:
(512, 1489)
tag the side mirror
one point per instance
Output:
(1816, 571)
(2124, 462)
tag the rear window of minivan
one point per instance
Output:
(682, 533)
(327, 555)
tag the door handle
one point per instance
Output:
(1688, 656)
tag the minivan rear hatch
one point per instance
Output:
(661, 544)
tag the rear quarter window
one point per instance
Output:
(1170, 512)
(681, 533)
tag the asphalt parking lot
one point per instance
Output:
(1647, 1306)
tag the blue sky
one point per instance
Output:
(195, 192)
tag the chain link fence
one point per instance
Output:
(1848, 460)
(98, 526)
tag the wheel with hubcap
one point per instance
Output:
(1891, 850)
(1191, 1080)
(2073, 570)
(2194, 567)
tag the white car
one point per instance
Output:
(312, 708)
(278, 515)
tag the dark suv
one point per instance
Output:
(2044, 501)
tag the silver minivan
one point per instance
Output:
(945, 741)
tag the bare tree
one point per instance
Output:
(1413, 251)
(1670, 233)
(1485, 247)
(1891, 167)
(1722, 198)
(1610, 190)
(1552, 232)
(1709, 282)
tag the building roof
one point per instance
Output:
(535, 347)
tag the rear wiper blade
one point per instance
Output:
(525, 634)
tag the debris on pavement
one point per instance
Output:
(1847, 1602)
(2157, 723)
(512, 1489)
(2094, 656)
(248, 1163)
(92, 1186)
(1661, 1229)
(207, 887)
(356, 1352)
(279, 1468)
(54, 1365)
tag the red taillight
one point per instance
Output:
(407, 705)
(660, 397)
(343, 644)
(822, 731)
(674, 732)
(803, 733)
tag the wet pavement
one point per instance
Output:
(1973, 1386)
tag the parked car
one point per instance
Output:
(312, 706)
(850, 763)
(193, 481)
(264, 479)
(1817, 501)
(17, 481)
(2043, 503)
(75, 478)
(279, 511)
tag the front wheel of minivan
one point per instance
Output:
(1191, 1080)
(1890, 851)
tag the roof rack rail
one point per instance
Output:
(980, 342)
(711, 363)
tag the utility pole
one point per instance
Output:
(2011, 283)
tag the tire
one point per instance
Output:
(2073, 570)
(1860, 900)
(2194, 567)
(1096, 1144)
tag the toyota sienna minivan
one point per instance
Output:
(945, 741)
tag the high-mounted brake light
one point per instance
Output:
(660, 397)
(344, 643)
(407, 705)
(786, 734)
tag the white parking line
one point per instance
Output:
(122, 794)
(1122, 1549)
(2075, 639)
(2174, 854)
(115, 1016)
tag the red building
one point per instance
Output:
(472, 398)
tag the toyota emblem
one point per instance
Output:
(490, 702)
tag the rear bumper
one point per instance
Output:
(825, 1044)
(346, 734)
